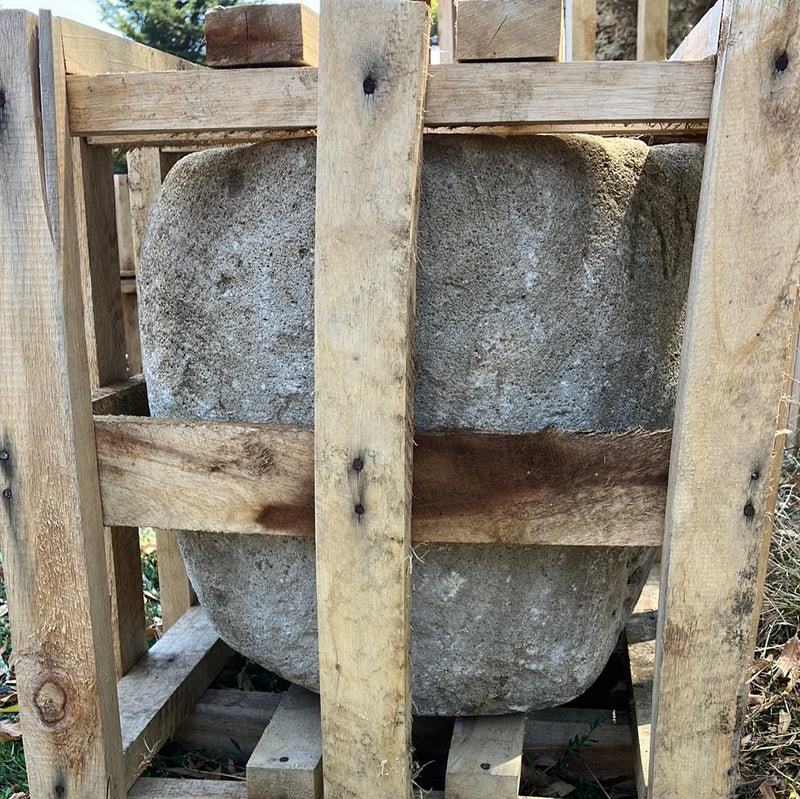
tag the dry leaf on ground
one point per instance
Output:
(789, 658)
(10, 731)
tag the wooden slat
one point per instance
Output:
(522, 488)
(251, 36)
(500, 30)
(652, 23)
(160, 788)
(88, 51)
(640, 633)
(227, 721)
(177, 106)
(164, 686)
(128, 397)
(485, 757)
(703, 39)
(368, 168)
(52, 534)
(122, 207)
(741, 317)
(287, 761)
(175, 589)
(446, 26)
(581, 21)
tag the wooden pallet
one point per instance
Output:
(69, 93)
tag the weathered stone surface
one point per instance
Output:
(551, 281)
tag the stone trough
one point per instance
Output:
(551, 282)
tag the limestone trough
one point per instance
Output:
(551, 283)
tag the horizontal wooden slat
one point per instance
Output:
(88, 51)
(175, 107)
(163, 687)
(163, 788)
(550, 487)
(128, 398)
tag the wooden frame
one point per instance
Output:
(721, 480)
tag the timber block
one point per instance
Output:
(506, 30)
(267, 35)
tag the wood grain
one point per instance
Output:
(128, 397)
(88, 51)
(652, 23)
(287, 761)
(50, 522)
(500, 30)
(741, 317)
(371, 88)
(177, 106)
(581, 20)
(485, 757)
(446, 24)
(159, 692)
(702, 40)
(251, 36)
(516, 488)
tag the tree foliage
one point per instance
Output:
(174, 26)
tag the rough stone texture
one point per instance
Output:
(551, 281)
(616, 26)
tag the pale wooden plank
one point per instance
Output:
(88, 51)
(740, 321)
(251, 36)
(368, 167)
(160, 788)
(652, 23)
(177, 106)
(122, 206)
(127, 397)
(144, 181)
(515, 488)
(52, 534)
(163, 687)
(446, 27)
(497, 30)
(703, 39)
(581, 21)
(287, 761)
(175, 589)
(485, 757)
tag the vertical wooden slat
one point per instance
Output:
(446, 27)
(652, 22)
(740, 321)
(51, 518)
(371, 87)
(106, 344)
(581, 20)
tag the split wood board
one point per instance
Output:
(371, 90)
(512, 488)
(178, 106)
(702, 41)
(157, 694)
(741, 319)
(52, 534)
(503, 30)
(251, 36)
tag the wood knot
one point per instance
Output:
(51, 702)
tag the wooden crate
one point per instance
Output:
(70, 93)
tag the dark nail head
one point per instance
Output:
(359, 509)
(369, 85)
(749, 510)
(3, 456)
(486, 766)
(358, 464)
(7, 493)
(781, 62)
(755, 474)
(2, 99)
(283, 759)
